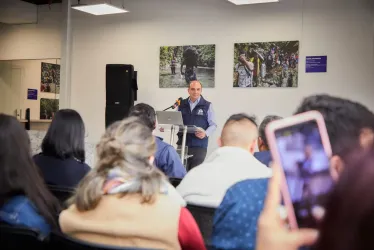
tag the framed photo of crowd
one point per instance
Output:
(266, 64)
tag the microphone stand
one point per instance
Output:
(171, 107)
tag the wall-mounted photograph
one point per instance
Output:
(48, 108)
(50, 78)
(266, 64)
(179, 65)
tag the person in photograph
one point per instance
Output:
(190, 57)
(244, 71)
(173, 65)
(257, 59)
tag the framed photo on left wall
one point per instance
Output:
(50, 78)
(48, 108)
(179, 65)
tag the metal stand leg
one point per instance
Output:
(183, 143)
(172, 135)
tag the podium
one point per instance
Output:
(175, 120)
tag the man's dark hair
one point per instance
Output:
(264, 123)
(344, 120)
(65, 136)
(146, 113)
(240, 117)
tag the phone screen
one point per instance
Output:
(306, 168)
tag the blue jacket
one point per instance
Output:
(20, 211)
(235, 220)
(168, 161)
(198, 117)
(264, 157)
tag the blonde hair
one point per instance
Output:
(127, 145)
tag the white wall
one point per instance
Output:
(33, 41)
(17, 12)
(340, 29)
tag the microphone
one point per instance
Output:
(176, 104)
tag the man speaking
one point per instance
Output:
(199, 112)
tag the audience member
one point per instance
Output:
(166, 158)
(24, 198)
(349, 220)
(207, 183)
(125, 200)
(342, 228)
(62, 160)
(264, 155)
(350, 126)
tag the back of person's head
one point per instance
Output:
(262, 141)
(146, 113)
(349, 220)
(240, 130)
(344, 120)
(18, 173)
(128, 148)
(65, 136)
(348, 124)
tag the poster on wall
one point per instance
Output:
(50, 78)
(32, 94)
(316, 64)
(266, 64)
(179, 65)
(48, 108)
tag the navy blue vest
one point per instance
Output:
(199, 118)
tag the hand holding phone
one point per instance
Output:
(300, 145)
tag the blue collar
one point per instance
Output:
(196, 102)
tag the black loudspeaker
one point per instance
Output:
(119, 80)
(121, 87)
(115, 113)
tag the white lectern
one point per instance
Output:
(174, 118)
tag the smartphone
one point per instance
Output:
(300, 146)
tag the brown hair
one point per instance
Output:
(127, 145)
(18, 173)
(349, 219)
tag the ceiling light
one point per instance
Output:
(242, 2)
(99, 9)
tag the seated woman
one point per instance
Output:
(24, 198)
(62, 159)
(125, 200)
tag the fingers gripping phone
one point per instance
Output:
(301, 146)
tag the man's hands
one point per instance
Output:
(200, 134)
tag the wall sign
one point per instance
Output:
(32, 94)
(316, 64)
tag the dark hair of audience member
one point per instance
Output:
(65, 136)
(264, 123)
(349, 220)
(344, 120)
(18, 173)
(241, 117)
(146, 114)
